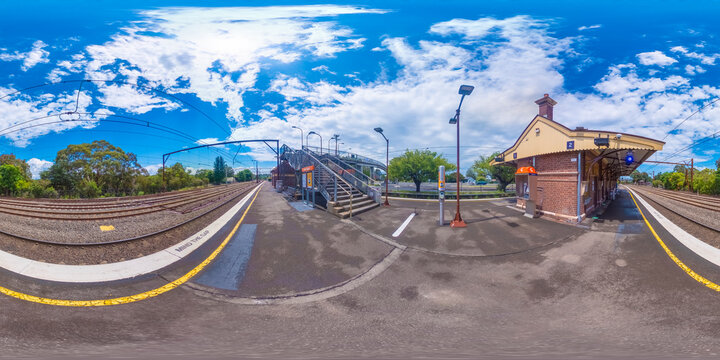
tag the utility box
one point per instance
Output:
(530, 210)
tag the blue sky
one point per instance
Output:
(213, 70)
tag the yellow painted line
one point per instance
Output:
(107, 228)
(142, 296)
(674, 258)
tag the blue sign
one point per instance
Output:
(514, 155)
(571, 145)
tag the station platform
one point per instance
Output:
(493, 227)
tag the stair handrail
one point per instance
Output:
(363, 186)
(324, 167)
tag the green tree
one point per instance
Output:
(245, 175)
(219, 170)
(12, 179)
(704, 181)
(638, 176)
(205, 175)
(10, 159)
(417, 166)
(108, 167)
(503, 174)
(229, 171)
(450, 178)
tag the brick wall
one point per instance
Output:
(557, 183)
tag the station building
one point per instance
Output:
(568, 173)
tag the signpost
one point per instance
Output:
(441, 194)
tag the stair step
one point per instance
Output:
(355, 205)
(359, 210)
(355, 201)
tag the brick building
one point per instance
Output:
(567, 173)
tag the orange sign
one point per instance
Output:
(527, 170)
(308, 168)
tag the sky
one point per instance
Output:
(172, 75)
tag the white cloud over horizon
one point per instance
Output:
(37, 166)
(218, 54)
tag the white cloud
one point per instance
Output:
(692, 70)
(655, 58)
(583, 28)
(323, 69)
(36, 55)
(153, 169)
(704, 59)
(508, 74)
(23, 117)
(219, 52)
(37, 166)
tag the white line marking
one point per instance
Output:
(123, 269)
(402, 227)
(703, 249)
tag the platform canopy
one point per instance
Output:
(543, 136)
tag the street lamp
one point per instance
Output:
(321, 142)
(335, 137)
(387, 163)
(464, 91)
(301, 136)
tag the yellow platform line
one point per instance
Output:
(672, 256)
(142, 296)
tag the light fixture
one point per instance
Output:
(629, 158)
(466, 89)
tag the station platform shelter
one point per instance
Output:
(567, 173)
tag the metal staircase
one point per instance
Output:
(342, 186)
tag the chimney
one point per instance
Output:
(546, 104)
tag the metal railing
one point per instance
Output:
(348, 156)
(302, 158)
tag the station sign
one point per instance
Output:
(309, 180)
(308, 168)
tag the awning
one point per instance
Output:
(526, 170)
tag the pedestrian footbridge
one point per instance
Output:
(335, 181)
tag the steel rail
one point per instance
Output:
(645, 193)
(120, 241)
(35, 214)
(128, 205)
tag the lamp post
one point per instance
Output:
(335, 137)
(464, 91)
(321, 142)
(301, 136)
(387, 164)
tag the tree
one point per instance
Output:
(10, 159)
(245, 175)
(417, 166)
(717, 164)
(12, 179)
(450, 178)
(229, 171)
(219, 170)
(640, 176)
(108, 167)
(704, 181)
(505, 175)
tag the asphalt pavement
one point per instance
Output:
(608, 291)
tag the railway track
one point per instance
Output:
(710, 205)
(178, 203)
(230, 196)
